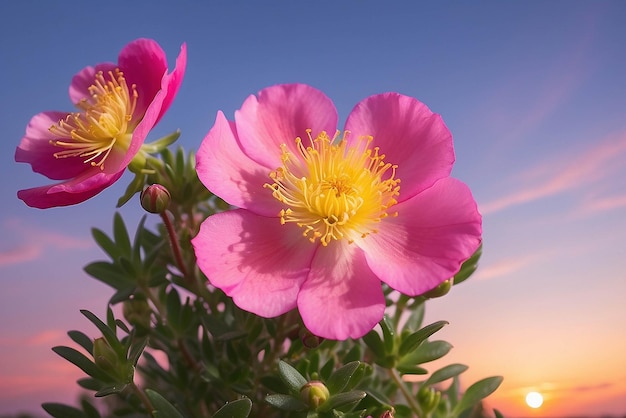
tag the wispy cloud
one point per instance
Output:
(31, 242)
(567, 173)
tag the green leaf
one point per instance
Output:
(342, 399)
(411, 342)
(82, 340)
(285, 402)
(388, 334)
(89, 409)
(162, 408)
(340, 377)
(236, 409)
(425, 352)
(107, 332)
(135, 186)
(109, 274)
(111, 390)
(476, 392)
(106, 243)
(411, 369)
(445, 373)
(58, 410)
(414, 322)
(82, 362)
(468, 267)
(375, 343)
(292, 378)
(120, 234)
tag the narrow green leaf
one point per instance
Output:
(388, 334)
(411, 369)
(108, 273)
(292, 378)
(476, 392)
(375, 343)
(286, 402)
(107, 332)
(340, 377)
(342, 399)
(445, 373)
(138, 238)
(411, 342)
(414, 322)
(89, 409)
(162, 408)
(135, 186)
(236, 409)
(120, 234)
(106, 243)
(58, 410)
(82, 362)
(82, 340)
(426, 352)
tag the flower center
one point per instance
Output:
(103, 120)
(333, 191)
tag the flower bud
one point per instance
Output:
(137, 312)
(314, 393)
(104, 356)
(310, 340)
(439, 291)
(155, 198)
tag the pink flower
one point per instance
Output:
(118, 104)
(323, 218)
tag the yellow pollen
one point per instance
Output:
(332, 190)
(102, 122)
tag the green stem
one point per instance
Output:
(405, 391)
(144, 399)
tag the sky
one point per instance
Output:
(533, 92)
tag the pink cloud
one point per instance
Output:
(34, 241)
(566, 173)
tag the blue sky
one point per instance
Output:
(533, 92)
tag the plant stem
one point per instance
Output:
(144, 399)
(405, 391)
(174, 243)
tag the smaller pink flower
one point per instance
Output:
(325, 217)
(118, 105)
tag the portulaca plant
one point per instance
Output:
(292, 263)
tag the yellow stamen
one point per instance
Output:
(333, 191)
(101, 124)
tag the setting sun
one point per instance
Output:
(534, 399)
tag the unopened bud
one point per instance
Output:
(137, 312)
(104, 356)
(314, 393)
(439, 291)
(155, 198)
(310, 340)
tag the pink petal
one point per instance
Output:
(171, 82)
(79, 87)
(254, 259)
(35, 149)
(341, 298)
(434, 232)
(279, 115)
(68, 193)
(409, 134)
(226, 171)
(144, 64)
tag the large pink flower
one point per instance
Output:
(323, 218)
(118, 105)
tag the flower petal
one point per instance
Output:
(73, 191)
(433, 234)
(171, 82)
(409, 134)
(260, 267)
(226, 171)
(279, 115)
(341, 298)
(85, 78)
(35, 148)
(144, 64)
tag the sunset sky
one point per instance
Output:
(533, 92)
